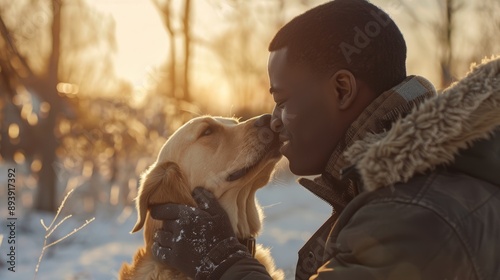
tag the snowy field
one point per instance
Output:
(98, 250)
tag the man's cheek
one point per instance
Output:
(289, 116)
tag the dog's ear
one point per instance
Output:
(161, 183)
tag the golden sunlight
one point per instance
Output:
(141, 39)
(143, 52)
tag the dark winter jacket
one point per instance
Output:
(418, 201)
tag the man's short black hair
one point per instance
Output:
(347, 34)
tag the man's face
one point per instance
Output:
(306, 114)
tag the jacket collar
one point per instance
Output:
(391, 105)
(437, 133)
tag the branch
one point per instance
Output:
(70, 233)
(12, 47)
(5, 79)
(54, 57)
(50, 229)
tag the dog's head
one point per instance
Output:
(230, 158)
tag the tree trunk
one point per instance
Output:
(173, 53)
(447, 46)
(187, 49)
(46, 199)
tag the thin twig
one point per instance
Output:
(71, 233)
(58, 224)
(51, 228)
(43, 224)
(61, 207)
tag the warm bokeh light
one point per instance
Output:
(13, 130)
(64, 127)
(26, 110)
(32, 119)
(36, 165)
(19, 157)
(44, 107)
(67, 89)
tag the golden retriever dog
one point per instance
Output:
(230, 158)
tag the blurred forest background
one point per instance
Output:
(71, 119)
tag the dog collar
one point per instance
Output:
(249, 243)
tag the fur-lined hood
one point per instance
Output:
(436, 132)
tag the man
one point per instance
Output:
(415, 194)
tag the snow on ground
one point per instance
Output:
(98, 250)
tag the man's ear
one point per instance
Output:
(345, 87)
(161, 183)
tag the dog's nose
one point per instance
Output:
(263, 120)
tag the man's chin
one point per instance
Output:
(299, 167)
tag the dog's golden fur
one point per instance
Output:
(206, 152)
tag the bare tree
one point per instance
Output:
(44, 85)
(32, 60)
(449, 26)
(243, 59)
(166, 10)
(179, 70)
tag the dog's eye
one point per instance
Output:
(207, 132)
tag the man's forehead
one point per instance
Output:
(277, 59)
(283, 75)
(277, 69)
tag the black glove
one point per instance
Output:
(200, 242)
